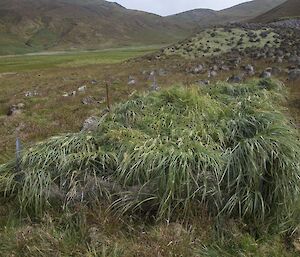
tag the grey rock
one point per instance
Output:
(154, 86)
(294, 74)
(212, 74)
(15, 109)
(31, 93)
(225, 68)
(162, 72)
(82, 88)
(235, 79)
(249, 69)
(215, 68)
(264, 34)
(89, 100)
(203, 82)
(90, 124)
(275, 70)
(198, 69)
(294, 59)
(266, 75)
(131, 81)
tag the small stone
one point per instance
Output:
(31, 93)
(154, 86)
(89, 100)
(235, 79)
(294, 74)
(132, 82)
(90, 124)
(203, 82)
(82, 89)
(225, 68)
(15, 109)
(212, 74)
(162, 72)
(266, 75)
(249, 69)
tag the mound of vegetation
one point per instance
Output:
(226, 149)
(217, 41)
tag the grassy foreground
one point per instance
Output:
(212, 162)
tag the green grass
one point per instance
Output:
(197, 157)
(70, 59)
(228, 148)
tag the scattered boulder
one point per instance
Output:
(90, 124)
(235, 79)
(15, 109)
(154, 86)
(162, 72)
(235, 61)
(31, 93)
(249, 69)
(131, 81)
(82, 89)
(89, 100)
(264, 34)
(294, 59)
(215, 68)
(212, 74)
(196, 70)
(225, 68)
(66, 94)
(265, 74)
(294, 74)
(203, 82)
(275, 70)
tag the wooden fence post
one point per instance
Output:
(107, 96)
(18, 154)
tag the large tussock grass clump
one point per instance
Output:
(227, 148)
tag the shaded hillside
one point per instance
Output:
(244, 11)
(289, 9)
(35, 25)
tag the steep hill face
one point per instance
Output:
(39, 25)
(238, 13)
(32, 25)
(289, 9)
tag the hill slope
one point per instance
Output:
(39, 25)
(288, 9)
(241, 12)
(33, 25)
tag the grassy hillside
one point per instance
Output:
(36, 25)
(289, 9)
(217, 41)
(39, 25)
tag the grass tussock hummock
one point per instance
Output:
(227, 149)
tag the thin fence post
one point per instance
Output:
(107, 96)
(18, 154)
